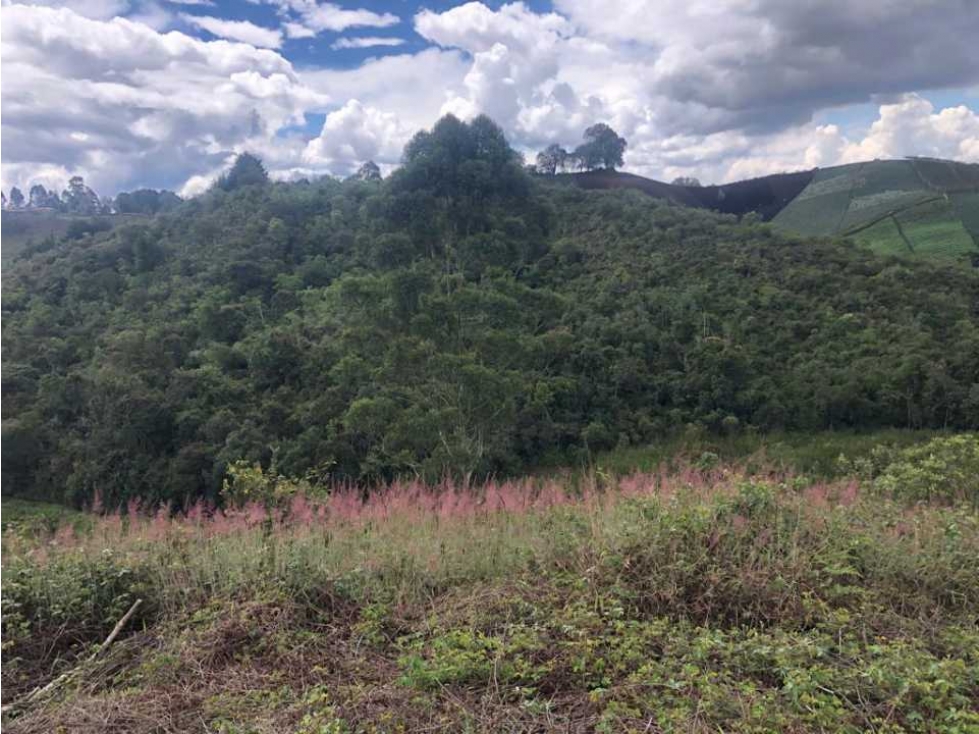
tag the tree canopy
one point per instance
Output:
(370, 171)
(247, 170)
(456, 317)
(552, 159)
(602, 148)
(146, 201)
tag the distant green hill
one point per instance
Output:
(36, 227)
(921, 207)
(915, 207)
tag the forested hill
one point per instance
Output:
(458, 316)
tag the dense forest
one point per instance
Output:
(458, 317)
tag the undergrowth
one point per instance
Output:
(700, 600)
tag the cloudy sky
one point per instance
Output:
(163, 93)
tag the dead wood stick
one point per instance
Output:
(117, 629)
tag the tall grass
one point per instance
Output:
(761, 545)
(628, 597)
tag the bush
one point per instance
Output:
(944, 469)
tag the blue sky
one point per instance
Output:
(165, 93)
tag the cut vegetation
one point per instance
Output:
(698, 599)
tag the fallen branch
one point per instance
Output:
(65, 677)
(116, 630)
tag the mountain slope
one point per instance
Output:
(292, 324)
(915, 207)
(767, 195)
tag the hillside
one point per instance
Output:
(916, 207)
(458, 318)
(697, 597)
(42, 228)
(767, 195)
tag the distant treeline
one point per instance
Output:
(77, 198)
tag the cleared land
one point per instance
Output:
(918, 207)
(915, 207)
(697, 598)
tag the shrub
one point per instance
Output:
(246, 483)
(944, 469)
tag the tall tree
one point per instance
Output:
(246, 171)
(603, 148)
(79, 198)
(552, 159)
(368, 172)
(16, 198)
(39, 196)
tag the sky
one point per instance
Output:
(164, 93)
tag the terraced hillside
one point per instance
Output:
(920, 207)
(916, 207)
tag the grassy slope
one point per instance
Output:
(16, 514)
(894, 207)
(620, 180)
(932, 228)
(967, 206)
(935, 202)
(692, 602)
(766, 195)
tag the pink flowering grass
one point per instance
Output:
(445, 507)
(410, 539)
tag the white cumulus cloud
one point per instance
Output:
(367, 42)
(236, 30)
(306, 18)
(356, 133)
(154, 108)
(718, 89)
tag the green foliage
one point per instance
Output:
(246, 483)
(603, 148)
(146, 201)
(58, 613)
(458, 317)
(745, 605)
(246, 171)
(79, 228)
(944, 469)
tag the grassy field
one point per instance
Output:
(946, 175)
(691, 597)
(967, 206)
(19, 515)
(821, 206)
(930, 229)
(920, 208)
(885, 238)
